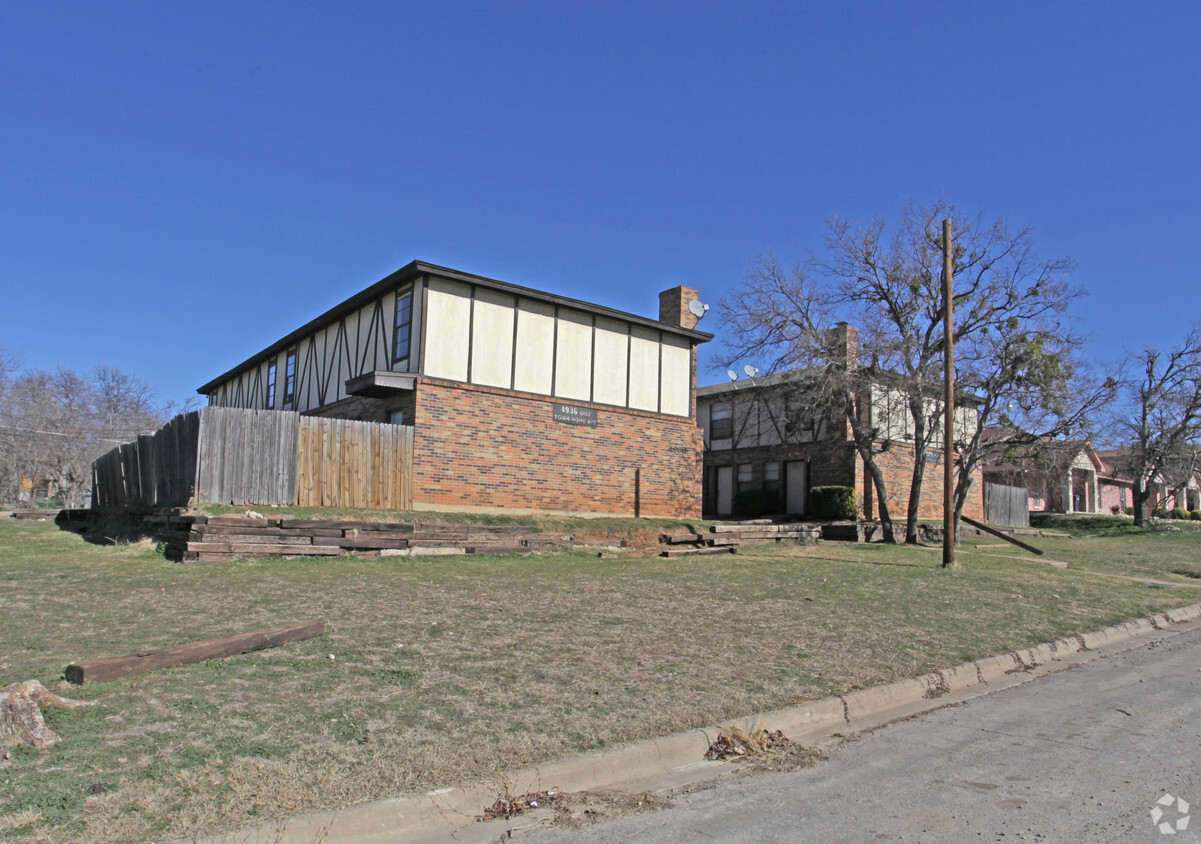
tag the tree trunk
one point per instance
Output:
(21, 719)
(915, 495)
(920, 441)
(963, 485)
(863, 445)
(1141, 496)
(886, 529)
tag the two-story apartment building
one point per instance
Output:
(520, 400)
(766, 447)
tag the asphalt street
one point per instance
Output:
(1083, 755)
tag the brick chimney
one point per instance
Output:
(673, 307)
(843, 342)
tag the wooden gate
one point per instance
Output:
(1006, 505)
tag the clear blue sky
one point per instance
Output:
(181, 184)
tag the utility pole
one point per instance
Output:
(948, 425)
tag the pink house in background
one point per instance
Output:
(1117, 487)
(1059, 477)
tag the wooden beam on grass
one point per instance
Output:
(116, 667)
(1001, 535)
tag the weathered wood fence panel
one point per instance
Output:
(247, 457)
(259, 458)
(345, 463)
(1006, 505)
(151, 471)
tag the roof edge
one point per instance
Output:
(417, 269)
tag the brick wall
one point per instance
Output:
(835, 463)
(830, 464)
(673, 307)
(897, 466)
(482, 448)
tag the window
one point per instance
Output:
(746, 474)
(270, 386)
(398, 417)
(798, 420)
(721, 421)
(404, 323)
(771, 477)
(1122, 497)
(290, 378)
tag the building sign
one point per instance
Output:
(571, 415)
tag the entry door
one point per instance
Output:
(725, 490)
(796, 476)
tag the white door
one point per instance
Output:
(725, 490)
(796, 480)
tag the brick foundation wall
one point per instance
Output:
(477, 447)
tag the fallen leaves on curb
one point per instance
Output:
(762, 750)
(509, 807)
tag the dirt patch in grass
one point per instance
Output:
(453, 670)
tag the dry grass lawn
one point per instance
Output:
(445, 670)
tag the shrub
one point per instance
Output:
(1179, 513)
(1194, 515)
(1159, 513)
(832, 502)
(1115, 508)
(756, 502)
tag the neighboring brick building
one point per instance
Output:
(765, 449)
(520, 400)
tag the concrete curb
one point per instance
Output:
(438, 814)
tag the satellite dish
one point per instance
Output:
(750, 371)
(733, 375)
(698, 308)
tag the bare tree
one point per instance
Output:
(892, 288)
(781, 317)
(1159, 415)
(10, 366)
(1030, 390)
(54, 424)
(124, 404)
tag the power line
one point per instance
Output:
(31, 431)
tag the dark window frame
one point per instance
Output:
(773, 484)
(271, 374)
(798, 420)
(723, 428)
(402, 330)
(747, 482)
(290, 378)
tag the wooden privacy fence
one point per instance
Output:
(1006, 505)
(259, 457)
(343, 463)
(247, 457)
(153, 469)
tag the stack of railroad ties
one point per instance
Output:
(192, 537)
(197, 538)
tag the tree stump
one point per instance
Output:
(21, 719)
